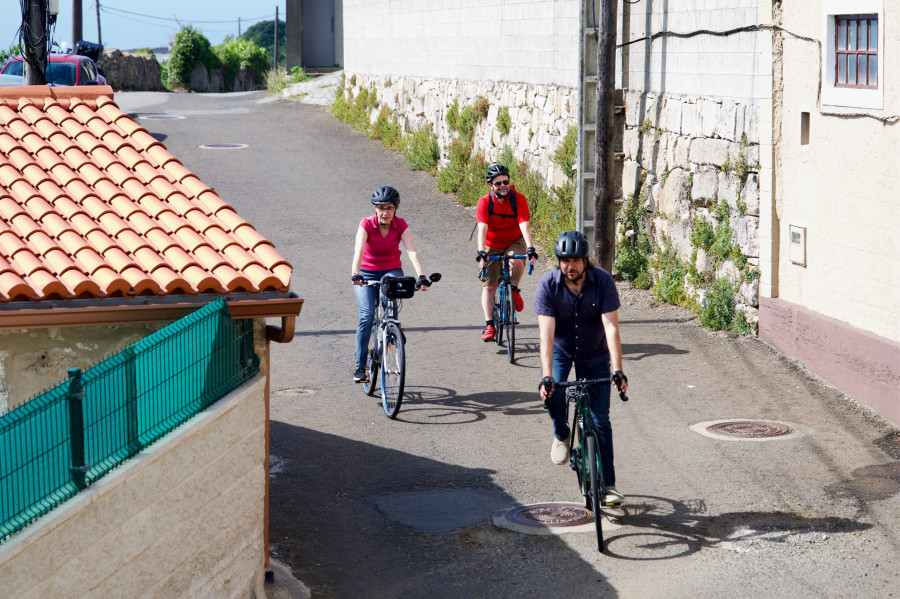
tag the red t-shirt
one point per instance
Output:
(382, 253)
(503, 225)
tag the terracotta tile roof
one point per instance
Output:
(92, 206)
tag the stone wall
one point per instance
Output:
(540, 115)
(184, 518)
(124, 70)
(692, 153)
(205, 82)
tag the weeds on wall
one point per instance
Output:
(633, 250)
(552, 208)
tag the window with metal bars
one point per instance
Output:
(856, 51)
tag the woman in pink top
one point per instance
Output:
(377, 254)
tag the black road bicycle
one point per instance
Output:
(387, 341)
(585, 457)
(505, 320)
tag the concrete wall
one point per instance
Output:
(35, 360)
(184, 518)
(703, 65)
(525, 41)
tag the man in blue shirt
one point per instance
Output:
(577, 308)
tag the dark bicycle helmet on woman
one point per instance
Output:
(495, 170)
(385, 195)
(571, 244)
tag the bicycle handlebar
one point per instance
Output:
(586, 382)
(507, 258)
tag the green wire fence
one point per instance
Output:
(63, 440)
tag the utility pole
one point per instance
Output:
(34, 42)
(77, 33)
(99, 36)
(239, 27)
(604, 204)
(275, 61)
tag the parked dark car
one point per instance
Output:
(62, 69)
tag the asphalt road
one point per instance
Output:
(362, 506)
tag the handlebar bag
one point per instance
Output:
(398, 287)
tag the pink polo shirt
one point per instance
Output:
(382, 253)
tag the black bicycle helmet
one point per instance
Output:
(494, 170)
(385, 195)
(571, 244)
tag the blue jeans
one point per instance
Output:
(365, 301)
(557, 407)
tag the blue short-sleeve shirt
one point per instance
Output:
(579, 329)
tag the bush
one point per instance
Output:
(504, 122)
(633, 251)
(386, 129)
(669, 286)
(567, 152)
(189, 48)
(241, 53)
(719, 311)
(421, 150)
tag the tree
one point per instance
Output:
(263, 35)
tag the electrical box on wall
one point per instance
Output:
(798, 245)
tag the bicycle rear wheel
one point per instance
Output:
(372, 362)
(596, 485)
(393, 370)
(510, 324)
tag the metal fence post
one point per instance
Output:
(75, 395)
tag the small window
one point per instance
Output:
(856, 51)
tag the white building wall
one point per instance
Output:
(842, 187)
(525, 41)
(703, 65)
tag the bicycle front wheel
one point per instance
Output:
(510, 309)
(393, 370)
(372, 363)
(596, 485)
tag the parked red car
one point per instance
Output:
(62, 69)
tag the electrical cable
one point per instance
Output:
(112, 10)
(886, 120)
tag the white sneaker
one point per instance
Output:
(613, 497)
(559, 451)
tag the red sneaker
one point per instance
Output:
(518, 303)
(488, 334)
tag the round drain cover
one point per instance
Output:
(223, 146)
(750, 429)
(543, 515)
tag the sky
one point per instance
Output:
(128, 25)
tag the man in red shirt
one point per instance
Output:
(503, 228)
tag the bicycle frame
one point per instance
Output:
(585, 458)
(504, 312)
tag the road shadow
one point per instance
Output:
(353, 519)
(660, 528)
(444, 406)
(639, 351)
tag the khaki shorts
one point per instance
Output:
(495, 266)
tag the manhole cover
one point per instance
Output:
(161, 117)
(545, 515)
(551, 519)
(750, 429)
(223, 146)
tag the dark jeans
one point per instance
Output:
(599, 394)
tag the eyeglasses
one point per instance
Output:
(500, 183)
(385, 207)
